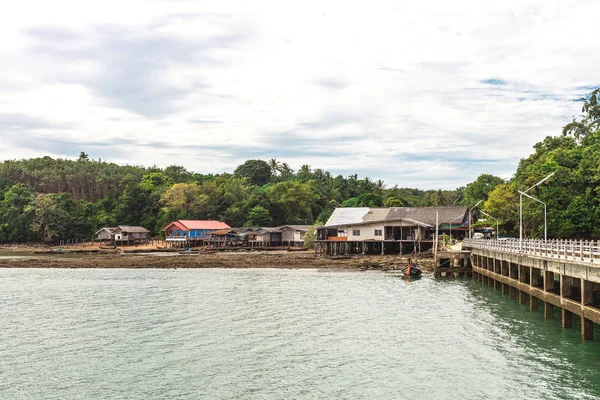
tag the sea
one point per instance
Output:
(279, 334)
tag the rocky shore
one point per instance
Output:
(40, 258)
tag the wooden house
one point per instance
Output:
(265, 237)
(293, 235)
(105, 234)
(225, 238)
(394, 229)
(124, 234)
(186, 231)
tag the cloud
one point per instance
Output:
(373, 91)
(494, 81)
(332, 83)
(133, 64)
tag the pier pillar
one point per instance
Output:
(587, 299)
(497, 285)
(587, 329)
(533, 303)
(534, 273)
(382, 248)
(548, 310)
(522, 297)
(548, 281)
(512, 293)
(505, 289)
(566, 286)
(490, 282)
(485, 279)
(587, 295)
(567, 318)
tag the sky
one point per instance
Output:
(425, 94)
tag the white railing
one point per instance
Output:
(575, 250)
(176, 238)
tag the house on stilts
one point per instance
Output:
(394, 230)
(123, 235)
(185, 233)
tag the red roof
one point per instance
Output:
(188, 225)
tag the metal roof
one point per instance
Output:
(132, 229)
(302, 228)
(423, 216)
(202, 224)
(347, 216)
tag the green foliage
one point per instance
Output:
(16, 214)
(311, 235)
(394, 202)
(257, 172)
(258, 216)
(589, 120)
(480, 188)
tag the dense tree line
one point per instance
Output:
(51, 199)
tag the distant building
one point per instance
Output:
(123, 234)
(391, 229)
(266, 237)
(184, 231)
(293, 235)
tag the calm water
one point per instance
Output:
(270, 334)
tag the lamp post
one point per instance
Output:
(545, 214)
(521, 208)
(470, 210)
(497, 229)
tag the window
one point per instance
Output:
(378, 232)
(355, 232)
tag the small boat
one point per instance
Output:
(411, 271)
(297, 248)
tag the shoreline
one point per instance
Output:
(28, 258)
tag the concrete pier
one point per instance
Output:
(571, 286)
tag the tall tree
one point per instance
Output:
(256, 172)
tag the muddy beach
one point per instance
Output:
(19, 257)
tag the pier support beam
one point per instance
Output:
(567, 319)
(497, 285)
(566, 287)
(587, 299)
(548, 310)
(505, 289)
(533, 303)
(587, 329)
(522, 297)
(548, 281)
(512, 293)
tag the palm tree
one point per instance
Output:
(275, 166)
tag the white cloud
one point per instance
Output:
(422, 94)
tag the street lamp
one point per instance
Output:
(470, 210)
(497, 230)
(545, 221)
(521, 208)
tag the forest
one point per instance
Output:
(48, 199)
